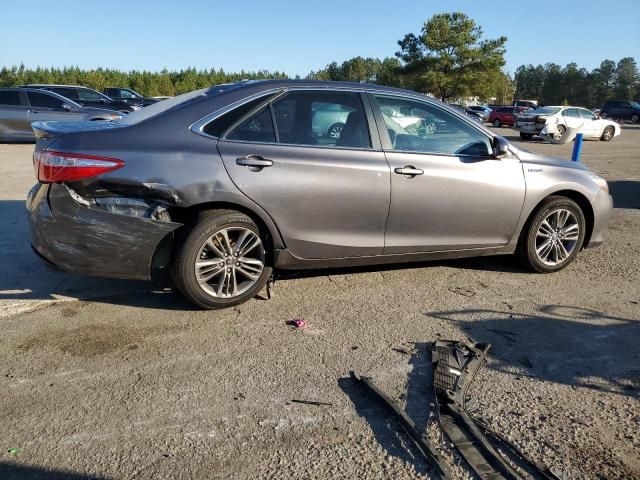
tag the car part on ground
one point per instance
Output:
(380, 191)
(421, 440)
(455, 365)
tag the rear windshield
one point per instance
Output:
(165, 105)
(547, 110)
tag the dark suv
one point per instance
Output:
(129, 96)
(621, 110)
(87, 97)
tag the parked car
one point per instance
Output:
(21, 106)
(526, 103)
(87, 97)
(503, 116)
(621, 110)
(190, 185)
(477, 116)
(482, 110)
(129, 96)
(588, 123)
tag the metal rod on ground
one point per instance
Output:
(577, 148)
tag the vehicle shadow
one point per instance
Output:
(16, 471)
(558, 343)
(625, 193)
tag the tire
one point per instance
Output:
(335, 130)
(497, 123)
(526, 136)
(531, 247)
(561, 130)
(635, 118)
(207, 241)
(608, 133)
(604, 114)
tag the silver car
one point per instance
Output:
(222, 185)
(19, 107)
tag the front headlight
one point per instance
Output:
(600, 182)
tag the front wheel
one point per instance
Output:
(553, 236)
(222, 261)
(497, 123)
(635, 118)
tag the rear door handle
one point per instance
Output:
(254, 161)
(409, 171)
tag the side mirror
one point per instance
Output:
(66, 107)
(500, 147)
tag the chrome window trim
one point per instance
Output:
(198, 126)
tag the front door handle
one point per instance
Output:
(254, 161)
(409, 171)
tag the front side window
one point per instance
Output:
(70, 93)
(329, 119)
(10, 98)
(127, 94)
(42, 100)
(256, 128)
(415, 126)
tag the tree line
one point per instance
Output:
(448, 58)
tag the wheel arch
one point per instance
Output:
(189, 215)
(582, 201)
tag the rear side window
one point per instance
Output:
(43, 100)
(10, 98)
(329, 119)
(217, 127)
(257, 128)
(571, 112)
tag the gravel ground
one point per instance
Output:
(108, 379)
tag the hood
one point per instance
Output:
(533, 158)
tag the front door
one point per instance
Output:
(325, 187)
(447, 192)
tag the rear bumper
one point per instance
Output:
(532, 128)
(93, 242)
(602, 209)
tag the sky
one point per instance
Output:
(296, 37)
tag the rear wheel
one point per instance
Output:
(607, 134)
(497, 123)
(561, 130)
(222, 261)
(526, 136)
(553, 236)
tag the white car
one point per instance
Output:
(558, 119)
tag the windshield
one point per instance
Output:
(546, 110)
(635, 105)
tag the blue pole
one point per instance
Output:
(577, 148)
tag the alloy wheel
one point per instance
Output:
(608, 133)
(557, 237)
(230, 262)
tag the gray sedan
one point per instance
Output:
(19, 107)
(222, 185)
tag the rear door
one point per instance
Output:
(572, 119)
(447, 192)
(14, 116)
(327, 189)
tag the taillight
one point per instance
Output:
(54, 166)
